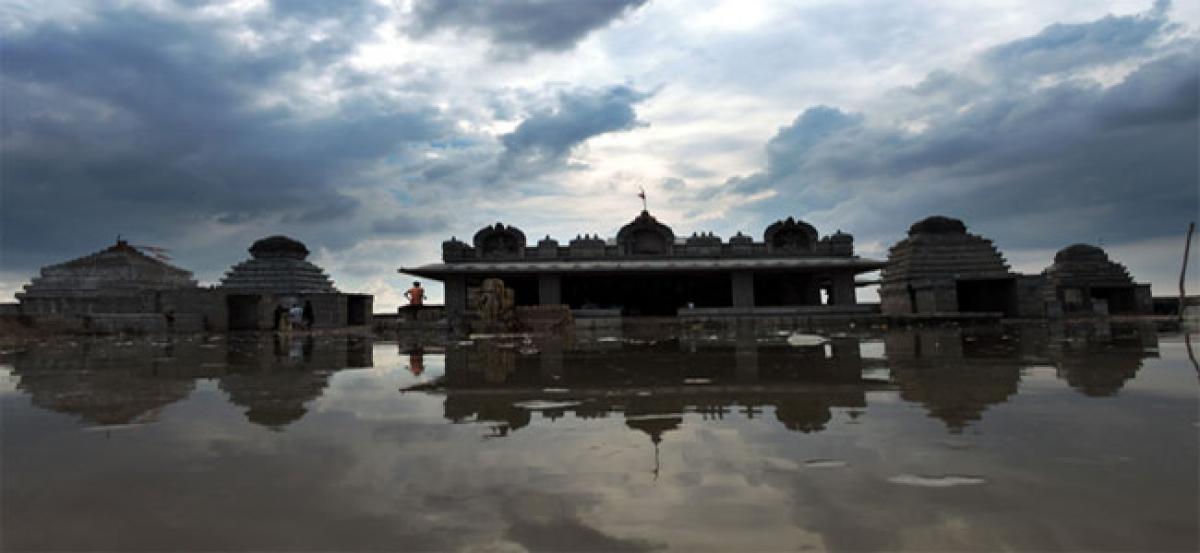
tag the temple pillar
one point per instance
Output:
(842, 289)
(456, 295)
(743, 289)
(549, 289)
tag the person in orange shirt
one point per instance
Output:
(415, 295)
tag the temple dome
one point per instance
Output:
(937, 224)
(939, 248)
(278, 246)
(645, 235)
(278, 266)
(1084, 264)
(1080, 253)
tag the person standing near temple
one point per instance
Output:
(415, 295)
(308, 315)
(296, 315)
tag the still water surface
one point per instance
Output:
(935, 439)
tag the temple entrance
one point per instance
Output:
(356, 311)
(243, 311)
(1120, 299)
(647, 295)
(987, 296)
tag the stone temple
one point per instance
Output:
(646, 270)
(943, 269)
(121, 289)
(1083, 279)
(278, 274)
(116, 280)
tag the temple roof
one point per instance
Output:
(118, 268)
(1086, 265)
(940, 247)
(437, 270)
(278, 266)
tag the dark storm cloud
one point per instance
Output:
(1039, 164)
(150, 124)
(411, 223)
(550, 135)
(1065, 47)
(520, 27)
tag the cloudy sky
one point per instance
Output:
(374, 129)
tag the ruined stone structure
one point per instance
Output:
(278, 276)
(943, 269)
(1083, 280)
(116, 280)
(647, 270)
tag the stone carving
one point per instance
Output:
(586, 246)
(790, 236)
(645, 236)
(494, 304)
(500, 241)
(453, 249)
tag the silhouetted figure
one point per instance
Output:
(308, 315)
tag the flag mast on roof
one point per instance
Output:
(642, 195)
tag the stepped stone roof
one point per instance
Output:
(940, 247)
(116, 270)
(278, 265)
(1086, 265)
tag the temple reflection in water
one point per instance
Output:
(116, 382)
(955, 374)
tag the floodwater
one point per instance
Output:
(1038, 438)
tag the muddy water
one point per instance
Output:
(1081, 438)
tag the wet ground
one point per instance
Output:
(1036, 438)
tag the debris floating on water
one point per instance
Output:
(824, 463)
(800, 340)
(543, 405)
(944, 481)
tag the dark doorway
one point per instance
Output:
(356, 311)
(987, 296)
(243, 311)
(647, 295)
(1120, 299)
(786, 289)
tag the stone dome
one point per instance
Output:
(937, 224)
(278, 246)
(941, 248)
(1086, 265)
(278, 266)
(1080, 253)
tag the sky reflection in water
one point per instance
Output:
(1027, 438)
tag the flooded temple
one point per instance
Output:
(278, 273)
(1083, 279)
(940, 268)
(122, 289)
(646, 270)
(115, 287)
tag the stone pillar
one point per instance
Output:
(842, 289)
(549, 289)
(743, 289)
(746, 355)
(456, 296)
